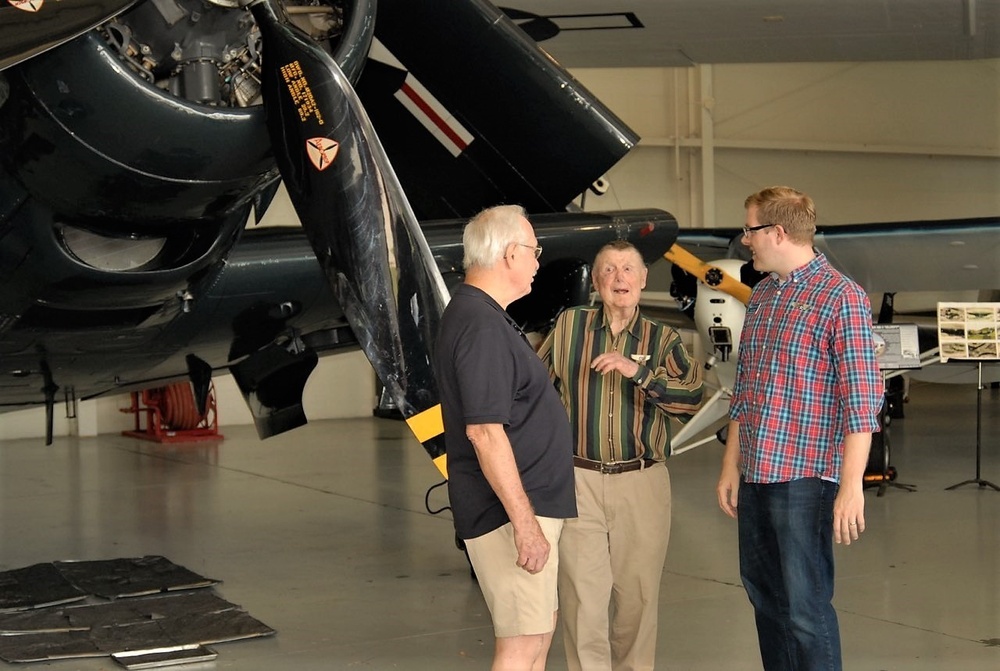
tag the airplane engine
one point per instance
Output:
(122, 215)
(165, 159)
(128, 214)
(130, 159)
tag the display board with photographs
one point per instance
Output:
(969, 331)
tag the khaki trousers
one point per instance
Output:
(611, 560)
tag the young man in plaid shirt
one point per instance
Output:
(805, 403)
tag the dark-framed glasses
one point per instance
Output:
(748, 230)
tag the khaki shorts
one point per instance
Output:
(520, 603)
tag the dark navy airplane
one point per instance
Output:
(137, 138)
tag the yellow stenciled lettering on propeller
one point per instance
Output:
(301, 94)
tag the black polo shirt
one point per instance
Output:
(488, 373)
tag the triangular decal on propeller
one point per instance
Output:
(322, 151)
(27, 5)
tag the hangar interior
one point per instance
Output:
(326, 533)
(869, 141)
(325, 536)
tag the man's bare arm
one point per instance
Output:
(849, 506)
(496, 457)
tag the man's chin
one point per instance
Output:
(621, 301)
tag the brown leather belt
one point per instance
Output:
(610, 468)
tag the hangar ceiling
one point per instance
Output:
(680, 33)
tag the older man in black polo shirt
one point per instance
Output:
(510, 456)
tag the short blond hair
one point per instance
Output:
(783, 206)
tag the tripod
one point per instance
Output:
(979, 446)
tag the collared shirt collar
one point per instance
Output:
(803, 272)
(489, 300)
(604, 321)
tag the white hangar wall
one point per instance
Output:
(341, 386)
(869, 142)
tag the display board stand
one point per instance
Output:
(978, 480)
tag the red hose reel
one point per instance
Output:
(172, 415)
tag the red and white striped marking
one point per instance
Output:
(427, 109)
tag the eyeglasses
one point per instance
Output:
(747, 230)
(537, 248)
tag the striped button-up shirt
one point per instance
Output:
(615, 418)
(806, 375)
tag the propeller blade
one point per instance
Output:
(711, 275)
(29, 27)
(356, 217)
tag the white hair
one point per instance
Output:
(487, 235)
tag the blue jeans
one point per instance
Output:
(786, 563)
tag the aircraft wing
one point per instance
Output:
(464, 100)
(267, 313)
(944, 255)
(949, 255)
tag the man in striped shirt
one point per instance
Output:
(621, 377)
(804, 406)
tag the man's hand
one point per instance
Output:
(849, 506)
(728, 489)
(532, 548)
(496, 457)
(848, 514)
(609, 361)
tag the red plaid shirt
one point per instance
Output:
(806, 375)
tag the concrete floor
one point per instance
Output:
(324, 535)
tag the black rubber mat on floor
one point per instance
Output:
(176, 608)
